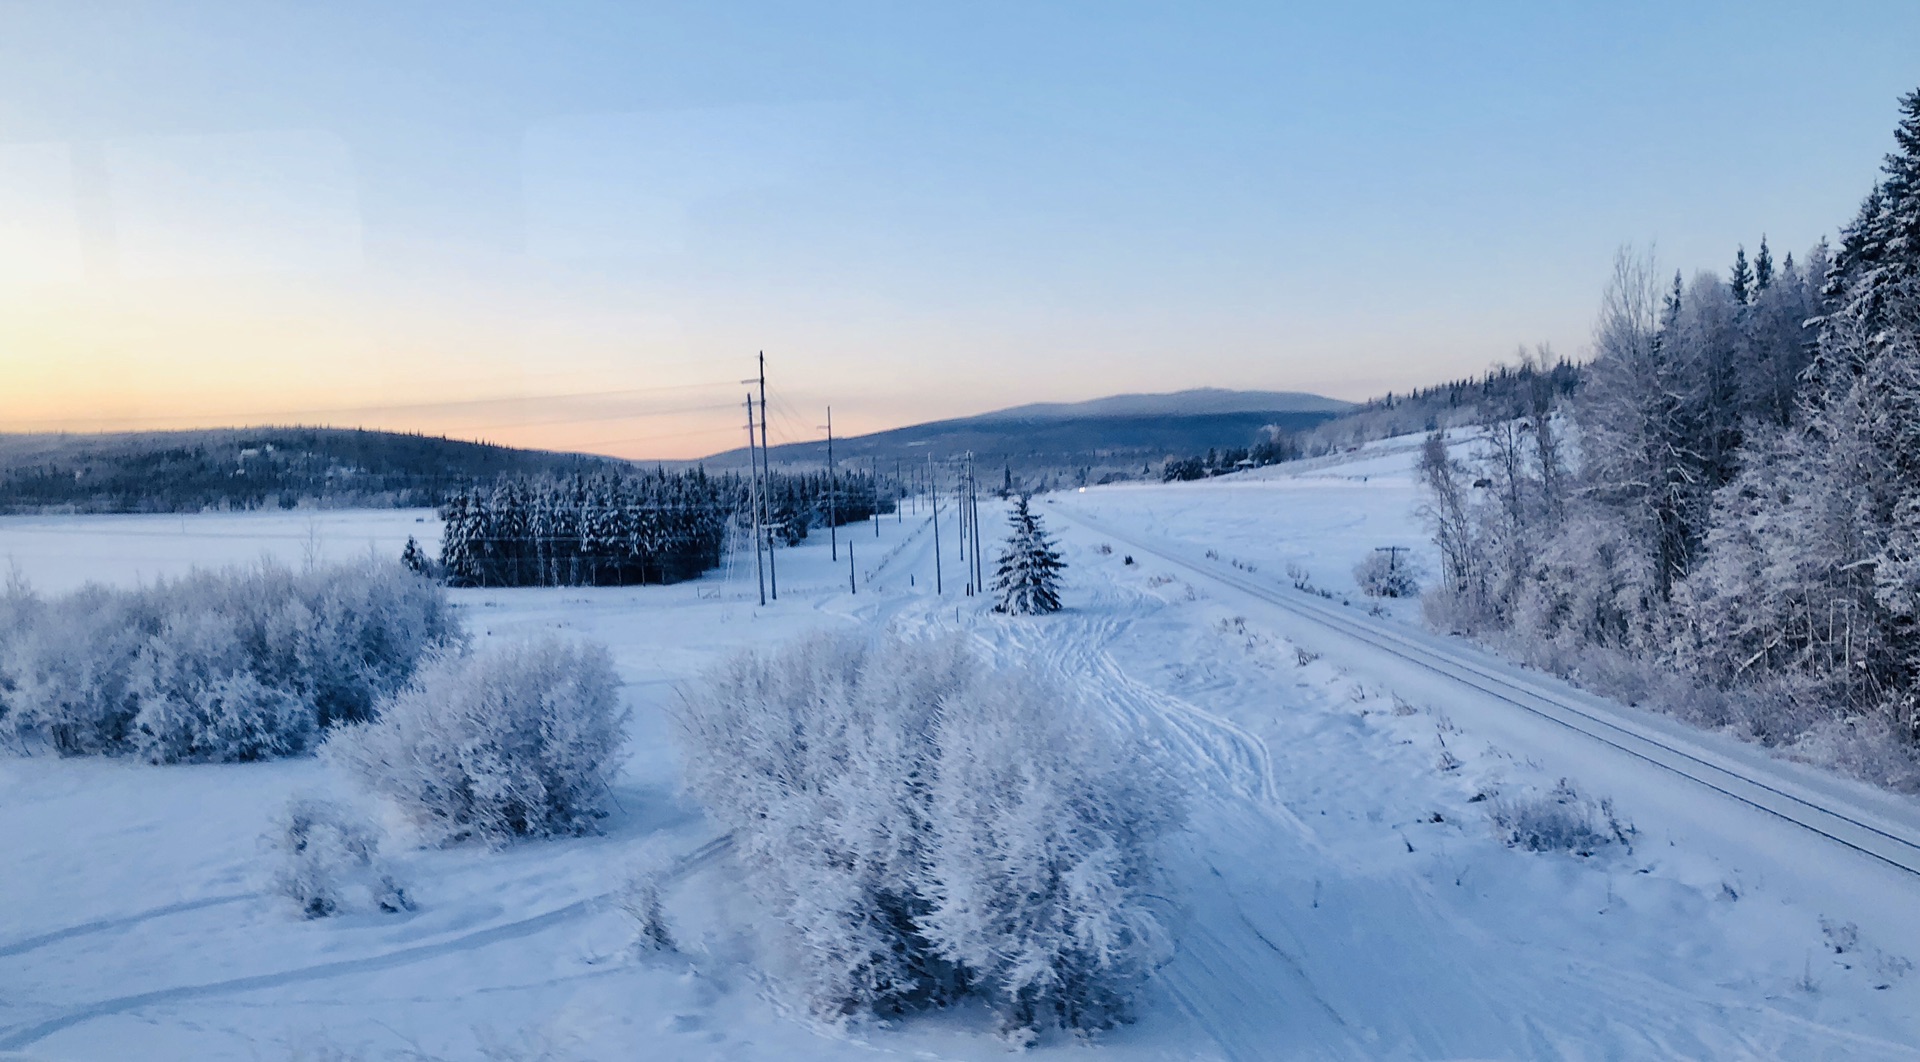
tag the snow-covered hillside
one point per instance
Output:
(1340, 889)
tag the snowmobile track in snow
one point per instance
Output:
(1885, 842)
(22, 1037)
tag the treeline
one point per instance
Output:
(1535, 381)
(1274, 447)
(1505, 391)
(629, 529)
(1740, 537)
(255, 468)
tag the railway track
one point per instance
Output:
(1877, 837)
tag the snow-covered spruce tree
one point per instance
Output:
(1027, 579)
(922, 828)
(519, 741)
(415, 559)
(1811, 580)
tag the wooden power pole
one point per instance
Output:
(753, 501)
(833, 523)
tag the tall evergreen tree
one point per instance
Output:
(415, 558)
(1878, 263)
(1741, 279)
(1762, 267)
(1027, 581)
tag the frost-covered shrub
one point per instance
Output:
(72, 670)
(1560, 820)
(639, 898)
(1039, 861)
(516, 742)
(327, 861)
(923, 828)
(18, 611)
(1864, 747)
(241, 664)
(1382, 574)
(232, 717)
(197, 698)
(367, 627)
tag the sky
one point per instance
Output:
(574, 225)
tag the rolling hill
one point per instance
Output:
(1117, 435)
(250, 468)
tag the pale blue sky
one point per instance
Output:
(239, 210)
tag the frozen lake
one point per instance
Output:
(56, 554)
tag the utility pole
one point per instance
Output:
(833, 534)
(766, 458)
(960, 504)
(937, 588)
(960, 500)
(753, 501)
(874, 465)
(973, 499)
(852, 587)
(1393, 555)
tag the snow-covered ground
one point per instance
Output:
(1340, 892)
(60, 553)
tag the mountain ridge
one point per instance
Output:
(1120, 435)
(1193, 401)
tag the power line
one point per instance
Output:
(401, 407)
(663, 435)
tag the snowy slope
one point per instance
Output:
(1340, 893)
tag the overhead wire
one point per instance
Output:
(788, 427)
(397, 407)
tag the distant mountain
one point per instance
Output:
(248, 468)
(1198, 402)
(1119, 435)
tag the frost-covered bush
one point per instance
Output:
(367, 628)
(639, 898)
(1382, 574)
(72, 670)
(241, 664)
(923, 828)
(1560, 820)
(519, 741)
(327, 861)
(197, 699)
(18, 610)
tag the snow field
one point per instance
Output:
(1337, 893)
(58, 554)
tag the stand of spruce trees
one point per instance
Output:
(628, 529)
(1734, 531)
